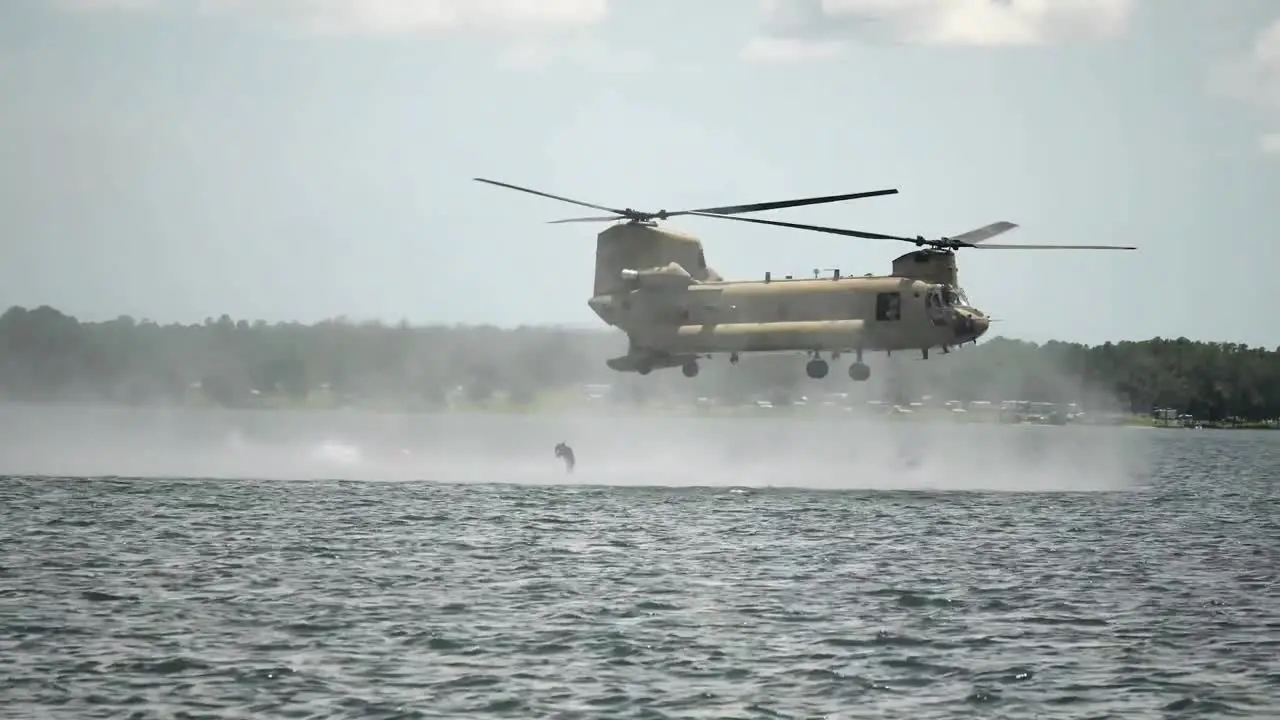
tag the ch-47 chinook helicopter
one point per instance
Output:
(654, 284)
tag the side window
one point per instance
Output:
(702, 260)
(935, 308)
(888, 306)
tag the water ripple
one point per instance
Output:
(143, 598)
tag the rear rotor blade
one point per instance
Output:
(620, 213)
(777, 204)
(1052, 247)
(597, 218)
(814, 228)
(735, 209)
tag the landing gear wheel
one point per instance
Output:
(644, 369)
(859, 372)
(690, 369)
(816, 368)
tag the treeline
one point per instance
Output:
(47, 356)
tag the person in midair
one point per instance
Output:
(565, 453)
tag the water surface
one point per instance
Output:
(1152, 594)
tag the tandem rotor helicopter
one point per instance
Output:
(654, 284)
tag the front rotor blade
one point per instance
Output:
(1052, 247)
(984, 233)
(799, 226)
(553, 197)
(777, 204)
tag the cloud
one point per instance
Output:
(783, 49)
(833, 23)
(396, 17)
(101, 5)
(538, 52)
(530, 34)
(1253, 78)
(387, 17)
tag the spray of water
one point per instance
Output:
(843, 451)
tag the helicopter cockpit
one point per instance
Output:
(954, 297)
(940, 300)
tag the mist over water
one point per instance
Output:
(841, 452)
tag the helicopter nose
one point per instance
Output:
(970, 325)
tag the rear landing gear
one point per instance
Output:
(690, 368)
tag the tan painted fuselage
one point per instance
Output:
(840, 315)
(655, 285)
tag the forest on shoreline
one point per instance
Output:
(47, 356)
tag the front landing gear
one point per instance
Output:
(690, 368)
(858, 371)
(817, 368)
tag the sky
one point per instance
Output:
(303, 159)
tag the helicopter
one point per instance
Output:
(654, 284)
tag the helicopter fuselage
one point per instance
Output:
(655, 285)
(836, 315)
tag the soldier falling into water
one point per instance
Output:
(565, 453)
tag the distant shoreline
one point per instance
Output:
(47, 356)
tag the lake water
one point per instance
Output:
(339, 565)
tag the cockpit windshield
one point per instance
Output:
(946, 296)
(953, 296)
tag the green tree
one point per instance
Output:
(48, 356)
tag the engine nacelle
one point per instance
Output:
(670, 275)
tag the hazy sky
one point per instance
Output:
(301, 159)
